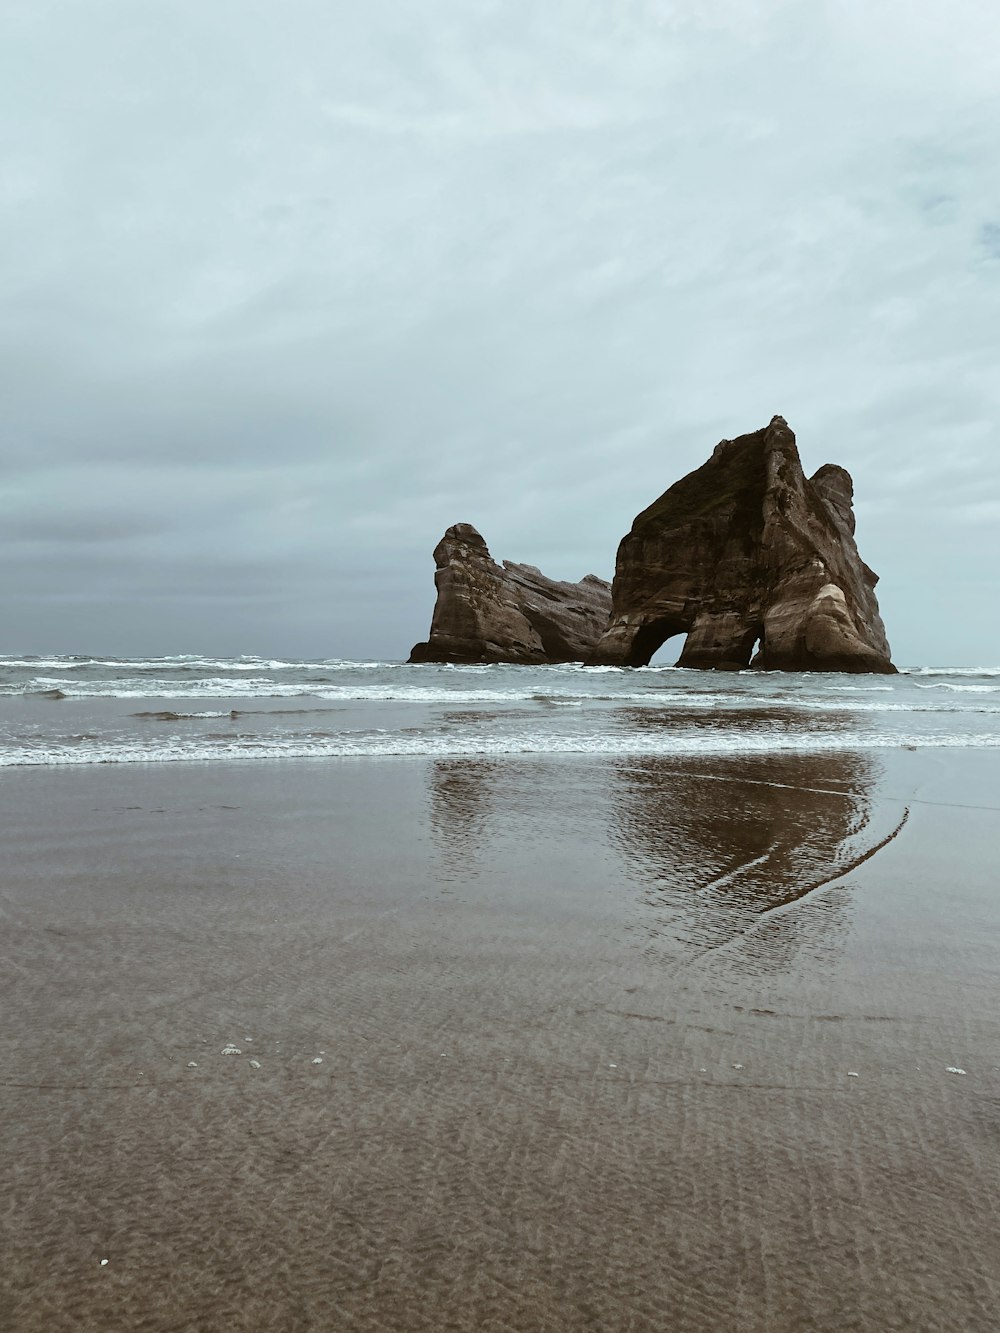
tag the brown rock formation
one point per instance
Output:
(746, 550)
(488, 613)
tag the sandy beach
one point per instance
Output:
(551, 1043)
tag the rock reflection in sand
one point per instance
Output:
(462, 801)
(736, 858)
(533, 826)
(728, 846)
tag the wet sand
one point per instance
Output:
(542, 1044)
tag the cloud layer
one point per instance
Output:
(288, 289)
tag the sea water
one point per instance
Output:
(90, 710)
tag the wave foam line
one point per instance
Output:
(682, 700)
(461, 747)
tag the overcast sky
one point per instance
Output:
(287, 287)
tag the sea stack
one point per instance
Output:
(754, 563)
(486, 612)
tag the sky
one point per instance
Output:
(288, 287)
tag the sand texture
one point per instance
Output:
(541, 1044)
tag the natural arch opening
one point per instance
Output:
(668, 652)
(739, 655)
(651, 638)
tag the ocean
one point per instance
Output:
(98, 710)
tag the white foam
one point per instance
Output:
(250, 662)
(959, 689)
(188, 662)
(177, 749)
(168, 715)
(950, 671)
(263, 688)
(859, 706)
(503, 695)
(860, 689)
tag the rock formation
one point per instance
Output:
(488, 613)
(746, 551)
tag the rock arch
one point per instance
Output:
(744, 550)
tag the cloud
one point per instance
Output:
(284, 294)
(989, 236)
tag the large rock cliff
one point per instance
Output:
(486, 612)
(745, 551)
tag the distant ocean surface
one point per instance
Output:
(98, 710)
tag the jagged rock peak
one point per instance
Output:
(746, 551)
(487, 612)
(834, 486)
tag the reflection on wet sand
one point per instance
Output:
(462, 802)
(728, 846)
(500, 814)
(740, 858)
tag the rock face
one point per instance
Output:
(746, 551)
(510, 613)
